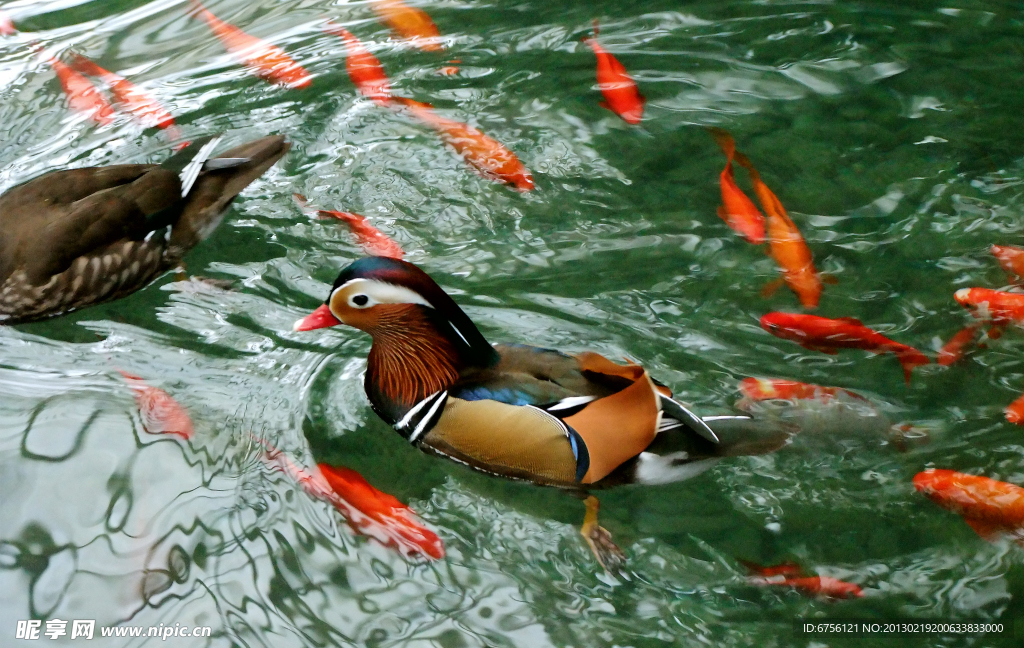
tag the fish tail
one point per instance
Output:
(194, 9)
(910, 358)
(85, 65)
(724, 141)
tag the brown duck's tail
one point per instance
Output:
(222, 178)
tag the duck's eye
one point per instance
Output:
(359, 300)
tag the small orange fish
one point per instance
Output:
(787, 246)
(133, 99)
(1015, 411)
(6, 25)
(487, 155)
(83, 97)
(363, 68)
(737, 210)
(621, 96)
(409, 22)
(449, 70)
(992, 305)
(759, 389)
(160, 413)
(788, 575)
(827, 335)
(957, 345)
(267, 61)
(1011, 259)
(372, 240)
(382, 512)
(987, 505)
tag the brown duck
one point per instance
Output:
(575, 421)
(78, 237)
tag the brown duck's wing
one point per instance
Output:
(513, 441)
(215, 188)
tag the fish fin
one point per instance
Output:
(850, 320)
(822, 349)
(831, 280)
(909, 359)
(995, 332)
(597, 28)
(986, 530)
(721, 213)
(772, 287)
(724, 141)
(604, 104)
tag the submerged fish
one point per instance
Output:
(409, 22)
(1011, 259)
(267, 61)
(372, 240)
(160, 413)
(988, 506)
(957, 345)
(786, 244)
(621, 96)
(486, 155)
(758, 389)
(994, 306)
(364, 69)
(827, 335)
(131, 98)
(6, 24)
(1014, 412)
(788, 575)
(83, 97)
(737, 210)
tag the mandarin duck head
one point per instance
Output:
(422, 340)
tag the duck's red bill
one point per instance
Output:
(320, 318)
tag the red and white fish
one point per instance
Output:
(759, 389)
(621, 96)
(383, 517)
(958, 344)
(160, 413)
(737, 210)
(827, 335)
(488, 156)
(373, 241)
(1011, 259)
(407, 22)
(994, 306)
(7, 24)
(786, 244)
(789, 575)
(83, 97)
(364, 69)
(266, 61)
(128, 96)
(989, 506)
(1014, 412)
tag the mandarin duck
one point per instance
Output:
(573, 421)
(74, 238)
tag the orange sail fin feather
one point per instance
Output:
(266, 61)
(987, 505)
(737, 210)
(621, 96)
(824, 334)
(160, 413)
(488, 156)
(364, 69)
(786, 243)
(407, 22)
(372, 240)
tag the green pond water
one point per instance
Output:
(891, 131)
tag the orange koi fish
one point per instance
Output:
(987, 505)
(487, 155)
(266, 61)
(827, 335)
(409, 22)
(6, 25)
(83, 97)
(759, 389)
(1015, 411)
(311, 480)
(160, 413)
(1011, 259)
(788, 575)
(787, 246)
(382, 512)
(957, 345)
(373, 241)
(998, 307)
(737, 210)
(621, 95)
(363, 68)
(133, 99)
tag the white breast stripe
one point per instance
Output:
(571, 401)
(412, 412)
(422, 427)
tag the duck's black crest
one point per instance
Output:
(452, 322)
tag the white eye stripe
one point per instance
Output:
(379, 292)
